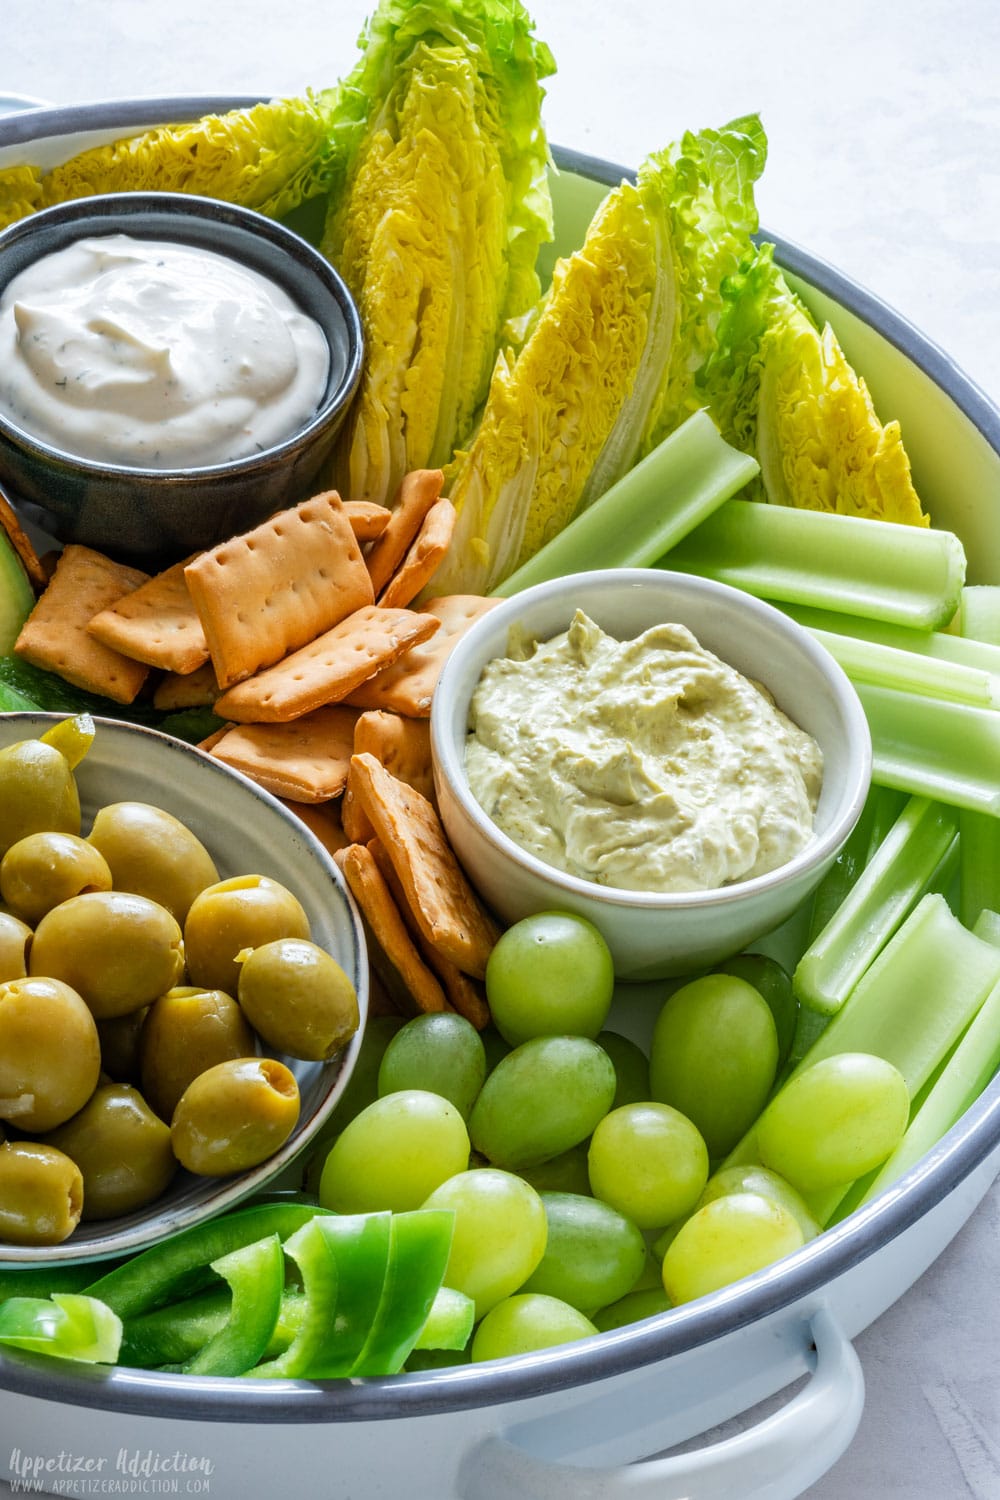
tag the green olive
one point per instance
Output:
(186, 1031)
(43, 869)
(153, 854)
(118, 950)
(38, 792)
(15, 944)
(122, 1149)
(50, 1056)
(41, 1194)
(243, 912)
(298, 999)
(234, 1116)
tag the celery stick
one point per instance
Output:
(910, 671)
(842, 874)
(882, 807)
(940, 644)
(925, 746)
(979, 613)
(980, 865)
(903, 574)
(910, 1006)
(987, 927)
(962, 1080)
(654, 505)
(882, 896)
(889, 803)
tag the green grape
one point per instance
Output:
(441, 1052)
(834, 1121)
(394, 1153)
(648, 1161)
(775, 985)
(645, 1303)
(714, 1056)
(631, 1068)
(550, 974)
(729, 1238)
(593, 1254)
(526, 1322)
(360, 1091)
(565, 1173)
(541, 1099)
(499, 1236)
(750, 1178)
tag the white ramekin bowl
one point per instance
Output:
(654, 935)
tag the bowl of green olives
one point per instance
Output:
(183, 988)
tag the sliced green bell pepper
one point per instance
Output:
(344, 1262)
(66, 1324)
(449, 1323)
(419, 1246)
(182, 1264)
(256, 1274)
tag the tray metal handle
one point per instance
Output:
(777, 1459)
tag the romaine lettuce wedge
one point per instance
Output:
(607, 368)
(271, 157)
(781, 389)
(438, 228)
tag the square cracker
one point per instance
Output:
(177, 690)
(417, 492)
(465, 995)
(269, 591)
(328, 668)
(393, 953)
(403, 746)
(445, 907)
(407, 687)
(426, 554)
(55, 634)
(305, 761)
(157, 623)
(367, 519)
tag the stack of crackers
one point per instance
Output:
(302, 635)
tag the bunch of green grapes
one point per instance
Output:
(579, 1169)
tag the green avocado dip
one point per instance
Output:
(647, 765)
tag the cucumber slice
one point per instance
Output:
(16, 595)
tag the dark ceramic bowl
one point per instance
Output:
(152, 516)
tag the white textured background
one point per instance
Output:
(884, 127)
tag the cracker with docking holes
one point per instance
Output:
(157, 623)
(177, 690)
(465, 995)
(305, 761)
(367, 519)
(55, 635)
(417, 492)
(328, 668)
(407, 687)
(393, 953)
(403, 746)
(271, 590)
(445, 906)
(424, 557)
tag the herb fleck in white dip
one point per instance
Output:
(648, 764)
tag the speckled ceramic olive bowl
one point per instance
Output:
(653, 934)
(247, 831)
(155, 516)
